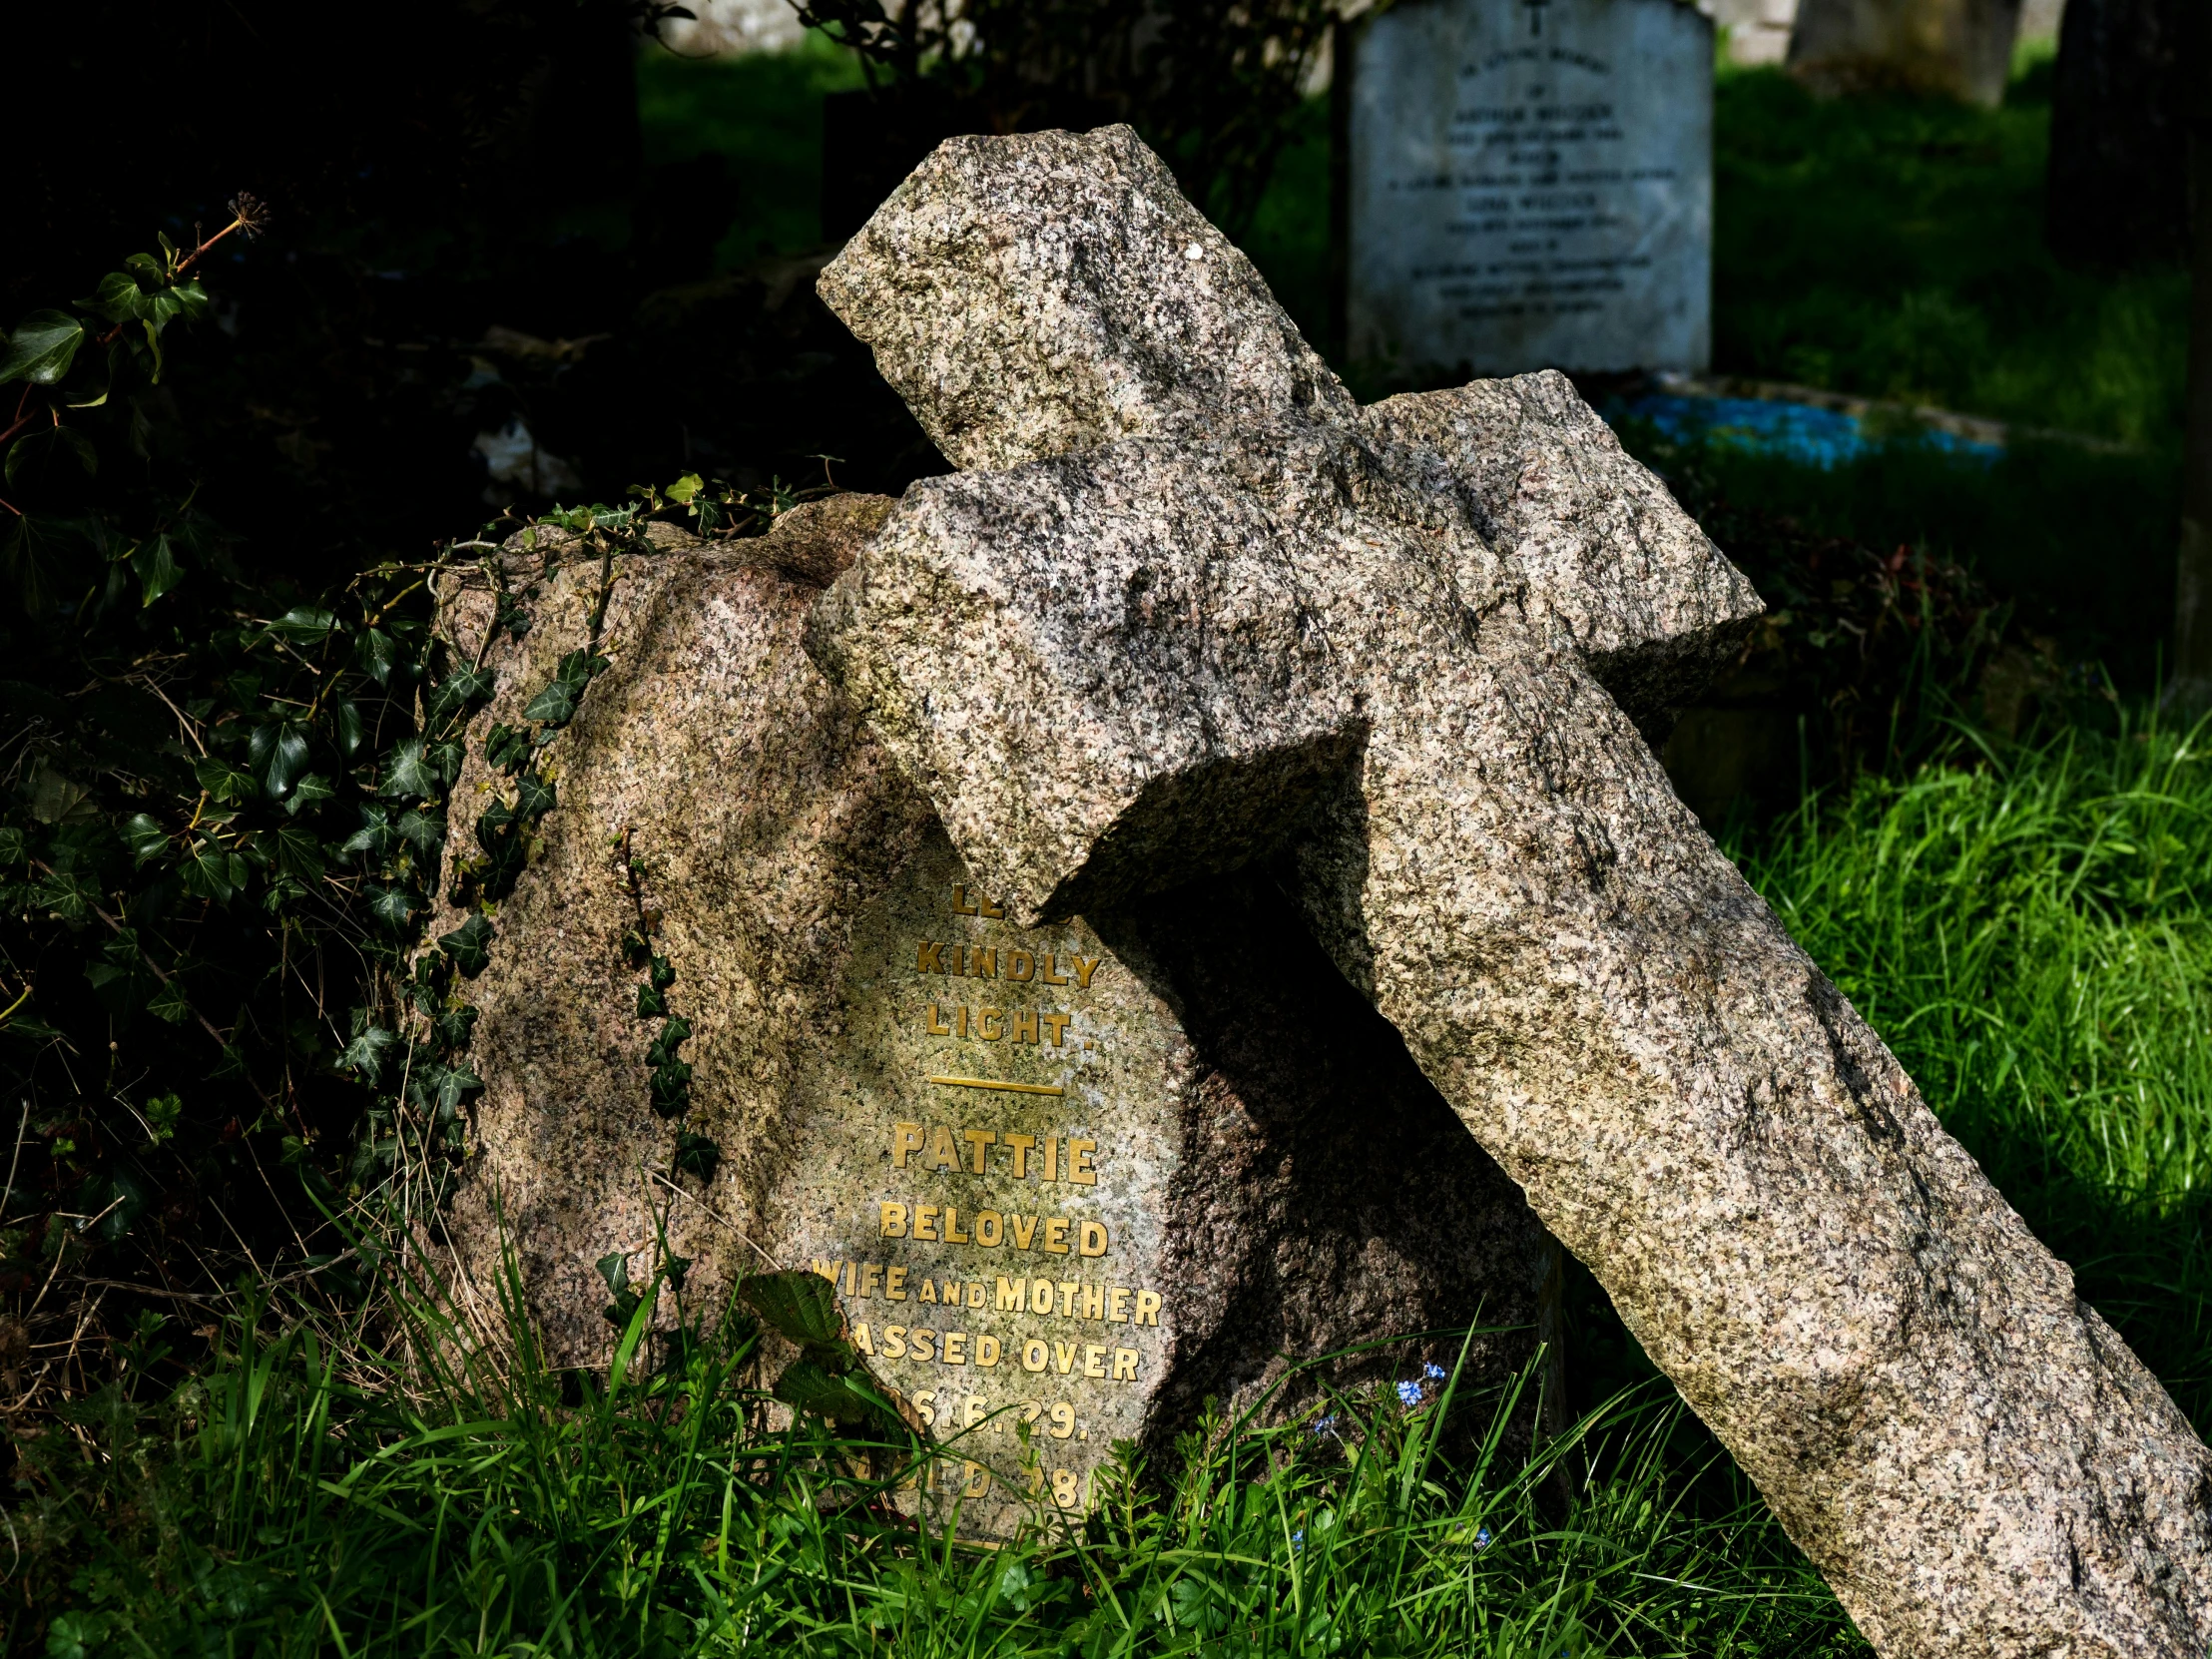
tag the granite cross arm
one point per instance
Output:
(1203, 609)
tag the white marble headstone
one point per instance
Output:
(1532, 187)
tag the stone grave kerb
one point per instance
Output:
(1231, 616)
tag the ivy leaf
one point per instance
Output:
(470, 946)
(456, 694)
(346, 724)
(439, 1089)
(555, 705)
(303, 625)
(170, 1004)
(391, 906)
(506, 747)
(210, 872)
(651, 1003)
(41, 348)
(684, 489)
(423, 832)
(669, 1089)
(157, 572)
(370, 1051)
(673, 1036)
(408, 773)
(697, 1155)
(533, 798)
(147, 838)
(311, 791)
(223, 781)
(664, 973)
(299, 852)
(614, 1268)
(375, 837)
(278, 750)
(374, 653)
(453, 1027)
(444, 759)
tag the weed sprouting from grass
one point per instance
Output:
(305, 1494)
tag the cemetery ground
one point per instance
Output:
(2013, 896)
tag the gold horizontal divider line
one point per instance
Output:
(991, 1083)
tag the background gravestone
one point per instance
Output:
(1528, 183)
(1957, 48)
(1086, 1175)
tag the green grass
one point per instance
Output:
(2030, 936)
(763, 115)
(1894, 248)
(307, 1497)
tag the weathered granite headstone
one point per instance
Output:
(1530, 186)
(1958, 48)
(1201, 590)
(2122, 98)
(1083, 1175)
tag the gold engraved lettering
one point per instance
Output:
(1080, 1172)
(952, 1293)
(1051, 1158)
(925, 1223)
(1092, 1239)
(895, 1285)
(907, 1138)
(1085, 966)
(1055, 1233)
(959, 1021)
(925, 1400)
(928, 1291)
(942, 1154)
(1125, 1364)
(1034, 1355)
(993, 1083)
(1040, 1295)
(979, 1296)
(989, 912)
(1069, 1289)
(871, 1272)
(938, 1025)
(829, 1270)
(1021, 967)
(1026, 1228)
(955, 1347)
(978, 1478)
(924, 1343)
(977, 1139)
(1055, 1023)
(1019, 1146)
(1051, 973)
(986, 1024)
(1094, 1362)
(894, 1220)
(1013, 1296)
(1064, 1358)
(973, 1410)
(850, 1277)
(894, 1342)
(956, 965)
(991, 1229)
(860, 1341)
(1148, 1306)
(986, 1349)
(1066, 1493)
(928, 957)
(1094, 1302)
(952, 1233)
(960, 905)
(1063, 1414)
(1117, 1305)
(982, 964)
(1025, 1026)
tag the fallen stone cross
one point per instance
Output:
(1190, 610)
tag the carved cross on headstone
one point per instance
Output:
(1192, 607)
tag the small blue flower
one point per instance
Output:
(1482, 1537)
(1409, 1394)
(1326, 1426)
(1298, 1539)
(1434, 1372)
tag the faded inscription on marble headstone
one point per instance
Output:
(984, 1183)
(1530, 186)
